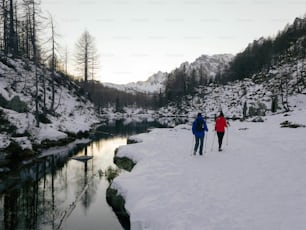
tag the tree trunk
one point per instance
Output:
(12, 35)
(36, 64)
(86, 64)
(5, 28)
(52, 66)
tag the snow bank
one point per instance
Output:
(257, 182)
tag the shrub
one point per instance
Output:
(124, 163)
(44, 119)
(288, 124)
(111, 173)
(17, 105)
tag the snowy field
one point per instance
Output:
(257, 182)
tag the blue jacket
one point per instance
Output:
(199, 133)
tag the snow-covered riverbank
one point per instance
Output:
(257, 182)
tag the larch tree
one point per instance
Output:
(32, 11)
(5, 26)
(8, 21)
(86, 57)
(12, 34)
(52, 57)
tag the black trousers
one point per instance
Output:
(220, 138)
(201, 140)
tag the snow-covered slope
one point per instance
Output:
(72, 111)
(206, 66)
(281, 85)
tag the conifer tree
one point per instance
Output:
(86, 55)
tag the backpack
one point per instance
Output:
(199, 125)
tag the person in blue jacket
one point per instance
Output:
(198, 129)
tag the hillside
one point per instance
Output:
(264, 93)
(73, 114)
(262, 54)
(277, 89)
(262, 79)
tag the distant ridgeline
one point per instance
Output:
(267, 53)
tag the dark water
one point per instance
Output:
(58, 192)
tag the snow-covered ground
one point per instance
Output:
(257, 182)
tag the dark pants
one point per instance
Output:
(197, 141)
(220, 138)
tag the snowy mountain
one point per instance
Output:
(73, 114)
(206, 66)
(267, 77)
(278, 90)
(154, 84)
(288, 45)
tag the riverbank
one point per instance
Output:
(35, 116)
(257, 182)
(68, 193)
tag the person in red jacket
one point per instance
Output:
(220, 126)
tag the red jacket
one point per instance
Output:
(220, 124)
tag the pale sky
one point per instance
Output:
(137, 38)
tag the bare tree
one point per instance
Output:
(4, 17)
(9, 26)
(86, 56)
(12, 34)
(66, 61)
(52, 57)
(32, 10)
(35, 56)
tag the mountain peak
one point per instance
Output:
(205, 65)
(299, 22)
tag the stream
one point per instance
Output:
(58, 191)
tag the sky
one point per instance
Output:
(137, 38)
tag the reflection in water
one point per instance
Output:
(57, 191)
(126, 127)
